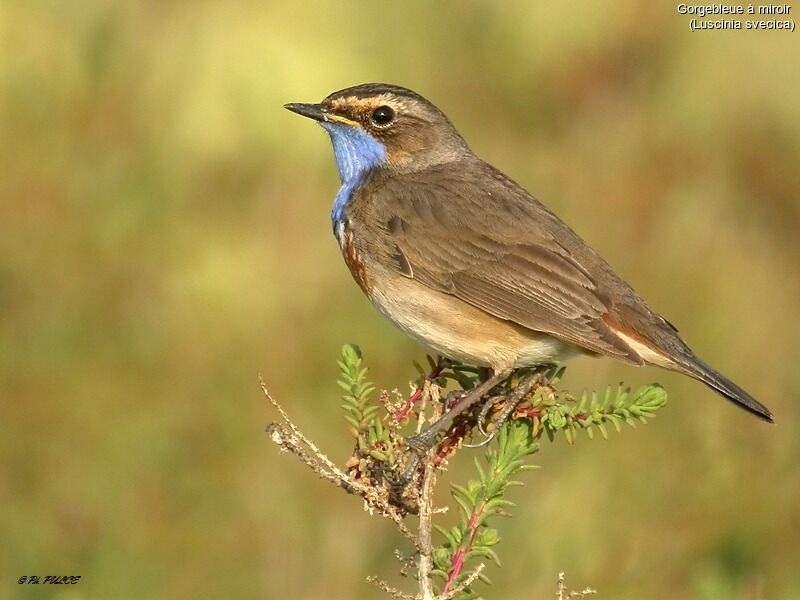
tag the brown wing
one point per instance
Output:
(467, 230)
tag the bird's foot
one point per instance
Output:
(398, 481)
(451, 434)
(491, 426)
(509, 404)
(427, 438)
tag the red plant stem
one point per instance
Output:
(457, 565)
(403, 411)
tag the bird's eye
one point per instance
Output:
(383, 115)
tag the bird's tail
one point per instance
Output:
(725, 387)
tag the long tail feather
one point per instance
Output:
(726, 388)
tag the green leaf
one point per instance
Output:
(433, 363)
(466, 508)
(487, 537)
(498, 502)
(445, 533)
(481, 474)
(483, 553)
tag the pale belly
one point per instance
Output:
(458, 330)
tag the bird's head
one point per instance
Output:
(376, 124)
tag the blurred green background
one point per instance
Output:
(165, 238)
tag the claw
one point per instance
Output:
(485, 409)
(488, 436)
(485, 441)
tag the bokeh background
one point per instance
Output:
(165, 238)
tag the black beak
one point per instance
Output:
(312, 111)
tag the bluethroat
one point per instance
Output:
(468, 263)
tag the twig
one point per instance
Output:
(293, 428)
(425, 505)
(289, 438)
(393, 592)
(463, 586)
(563, 594)
(419, 392)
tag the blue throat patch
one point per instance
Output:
(357, 153)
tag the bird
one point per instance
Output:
(469, 264)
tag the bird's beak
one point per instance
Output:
(312, 111)
(318, 112)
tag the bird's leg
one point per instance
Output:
(425, 440)
(399, 482)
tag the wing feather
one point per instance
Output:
(486, 241)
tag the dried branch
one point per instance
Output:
(563, 594)
(425, 505)
(288, 437)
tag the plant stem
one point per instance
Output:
(459, 556)
(402, 413)
(425, 526)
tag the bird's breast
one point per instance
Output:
(352, 257)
